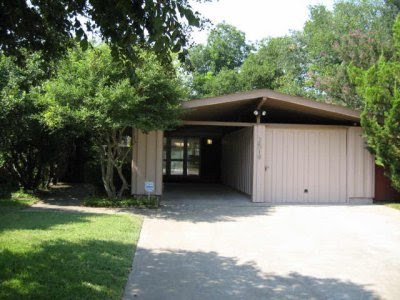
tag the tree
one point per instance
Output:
(226, 47)
(49, 26)
(278, 64)
(224, 53)
(355, 32)
(379, 87)
(225, 82)
(94, 93)
(29, 151)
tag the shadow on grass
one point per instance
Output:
(15, 219)
(206, 275)
(65, 270)
(68, 194)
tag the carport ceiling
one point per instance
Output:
(280, 108)
(201, 131)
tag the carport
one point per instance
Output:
(300, 151)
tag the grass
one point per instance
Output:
(393, 205)
(58, 255)
(138, 201)
(16, 199)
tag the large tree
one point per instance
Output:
(93, 93)
(279, 64)
(49, 25)
(218, 60)
(356, 32)
(30, 151)
(379, 87)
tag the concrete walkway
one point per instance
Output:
(40, 206)
(203, 250)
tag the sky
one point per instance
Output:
(258, 19)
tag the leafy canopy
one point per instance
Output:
(29, 149)
(356, 32)
(95, 92)
(49, 26)
(214, 66)
(379, 87)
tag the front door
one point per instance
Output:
(181, 157)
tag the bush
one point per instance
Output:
(137, 201)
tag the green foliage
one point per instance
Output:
(17, 199)
(393, 205)
(214, 66)
(138, 201)
(356, 32)
(225, 82)
(226, 47)
(278, 64)
(95, 94)
(55, 255)
(379, 87)
(29, 150)
(50, 26)
(311, 63)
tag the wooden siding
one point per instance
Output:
(146, 161)
(258, 163)
(306, 165)
(237, 160)
(360, 167)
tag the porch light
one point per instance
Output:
(209, 141)
(260, 112)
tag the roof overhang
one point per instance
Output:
(240, 107)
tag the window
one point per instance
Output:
(193, 157)
(181, 156)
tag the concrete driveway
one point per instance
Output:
(207, 249)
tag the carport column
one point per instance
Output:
(258, 163)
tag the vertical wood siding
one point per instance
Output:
(360, 166)
(237, 160)
(258, 163)
(146, 161)
(305, 165)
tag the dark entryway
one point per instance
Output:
(193, 153)
(191, 158)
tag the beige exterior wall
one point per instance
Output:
(331, 162)
(146, 161)
(305, 164)
(275, 163)
(360, 168)
(237, 160)
(258, 163)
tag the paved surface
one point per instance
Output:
(40, 206)
(195, 249)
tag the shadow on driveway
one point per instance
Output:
(202, 202)
(201, 275)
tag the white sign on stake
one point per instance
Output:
(149, 186)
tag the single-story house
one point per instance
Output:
(273, 147)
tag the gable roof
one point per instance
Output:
(268, 100)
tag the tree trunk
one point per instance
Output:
(113, 157)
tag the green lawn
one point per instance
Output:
(58, 255)
(393, 205)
